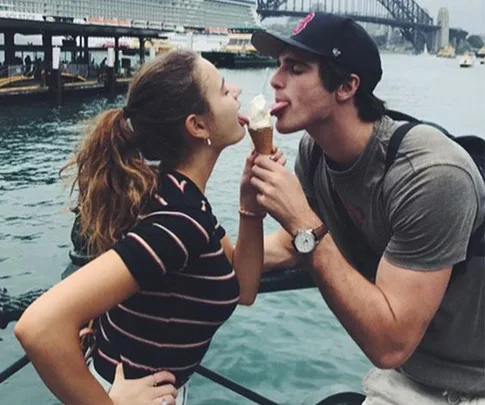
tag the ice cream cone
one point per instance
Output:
(262, 139)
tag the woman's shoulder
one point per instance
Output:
(178, 197)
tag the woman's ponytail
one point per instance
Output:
(114, 182)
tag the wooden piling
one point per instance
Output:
(110, 74)
(55, 80)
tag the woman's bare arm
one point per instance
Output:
(49, 329)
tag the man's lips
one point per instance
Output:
(278, 107)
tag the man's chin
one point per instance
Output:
(285, 128)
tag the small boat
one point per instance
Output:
(239, 53)
(446, 52)
(233, 60)
(481, 55)
(466, 61)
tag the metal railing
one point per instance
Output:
(11, 309)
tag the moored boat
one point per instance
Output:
(239, 52)
(466, 60)
(446, 52)
(481, 55)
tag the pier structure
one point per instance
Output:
(10, 27)
(79, 20)
(46, 77)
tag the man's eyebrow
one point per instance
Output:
(292, 61)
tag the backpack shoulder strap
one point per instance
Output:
(395, 142)
(400, 116)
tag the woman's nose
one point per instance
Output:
(234, 90)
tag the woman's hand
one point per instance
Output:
(155, 389)
(248, 193)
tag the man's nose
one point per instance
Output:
(276, 80)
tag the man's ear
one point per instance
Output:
(348, 89)
(196, 127)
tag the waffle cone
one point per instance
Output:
(262, 140)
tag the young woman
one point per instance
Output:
(165, 276)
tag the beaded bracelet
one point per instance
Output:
(251, 214)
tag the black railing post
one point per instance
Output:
(12, 369)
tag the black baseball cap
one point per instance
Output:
(332, 36)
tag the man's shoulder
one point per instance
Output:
(306, 143)
(305, 150)
(385, 127)
(425, 146)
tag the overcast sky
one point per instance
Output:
(466, 14)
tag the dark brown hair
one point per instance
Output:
(369, 107)
(114, 181)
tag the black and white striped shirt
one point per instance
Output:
(188, 287)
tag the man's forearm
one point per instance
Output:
(278, 251)
(361, 306)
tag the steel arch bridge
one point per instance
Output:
(416, 24)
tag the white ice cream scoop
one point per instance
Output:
(258, 114)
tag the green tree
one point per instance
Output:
(475, 41)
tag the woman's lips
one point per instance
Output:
(278, 107)
(243, 119)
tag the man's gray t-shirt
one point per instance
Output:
(420, 217)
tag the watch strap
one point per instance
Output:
(320, 232)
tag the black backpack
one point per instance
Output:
(364, 257)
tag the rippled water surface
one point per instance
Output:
(288, 346)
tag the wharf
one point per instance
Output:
(76, 82)
(26, 94)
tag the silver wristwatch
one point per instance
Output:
(305, 240)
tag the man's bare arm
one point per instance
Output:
(387, 319)
(278, 248)
(278, 251)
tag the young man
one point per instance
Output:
(422, 328)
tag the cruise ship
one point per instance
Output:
(207, 21)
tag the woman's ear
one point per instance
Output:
(348, 89)
(196, 127)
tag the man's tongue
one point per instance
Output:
(277, 107)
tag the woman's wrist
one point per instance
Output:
(247, 213)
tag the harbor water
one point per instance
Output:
(288, 346)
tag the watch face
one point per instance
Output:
(304, 242)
